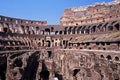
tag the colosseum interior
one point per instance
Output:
(84, 46)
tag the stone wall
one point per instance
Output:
(99, 12)
(33, 50)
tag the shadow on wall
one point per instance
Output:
(44, 74)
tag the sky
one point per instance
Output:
(45, 10)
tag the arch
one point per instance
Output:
(5, 30)
(116, 58)
(83, 29)
(75, 71)
(110, 28)
(65, 31)
(74, 29)
(109, 57)
(37, 30)
(17, 63)
(47, 31)
(101, 56)
(99, 27)
(93, 29)
(117, 26)
(52, 29)
(60, 32)
(48, 43)
(78, 30)
(87, 30)
(103, 28)
(70, 30)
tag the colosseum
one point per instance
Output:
(84, 46)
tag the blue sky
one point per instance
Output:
(49, 10)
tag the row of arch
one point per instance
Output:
(109, 57)
(46, 30)
(21, 21)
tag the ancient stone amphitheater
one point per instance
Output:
(85, 46)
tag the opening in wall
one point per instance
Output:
(49, 54)
(104, 48)
(117, 27)
(116, 58)
(60, 32)
(5, 30)
(75, 71)
(101, 56)
(110, 28)
(109, 57)
(48, 44)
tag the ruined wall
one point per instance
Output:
(99, 12)
(33, 50)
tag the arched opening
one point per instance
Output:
(75, 71)
(65, 31)
(87, 31)
(70, 30)
(116, 58)
(104, 27)
(117, 26)
(47, 31)
(49, 54)
(83, 29)
(78, 30)
(60, 32)
(5, 30)
(52, 29)
(101, 56)
(109, 57)
(74, 29)
(48, 44)
(93, 29)
(17, 63)
(110, 28)
(37, 30)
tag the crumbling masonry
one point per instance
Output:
(85, 46)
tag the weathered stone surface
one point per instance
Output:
(73, 50)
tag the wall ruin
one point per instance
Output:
(33, 50)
